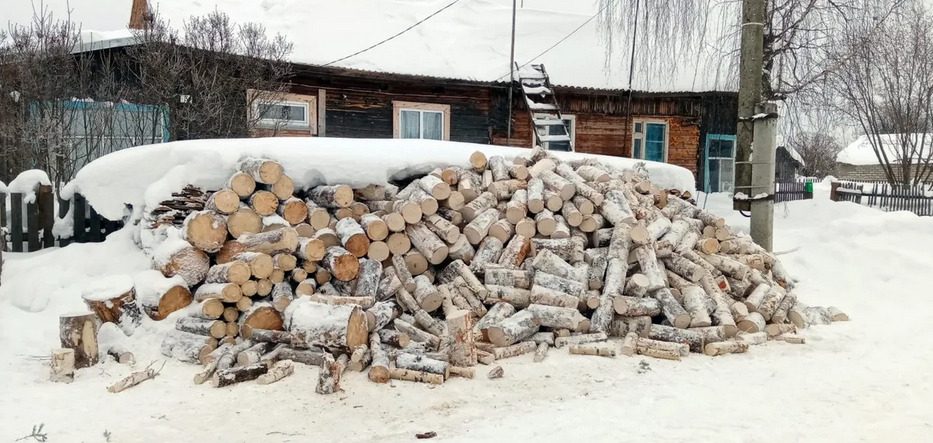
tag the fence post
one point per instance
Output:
(80, 208)
(45, 199)
(16, 222)
(94, 234)
(2, 220)
(63, 206)
(32, 225)
(833, 195)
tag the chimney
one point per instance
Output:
(139, 15)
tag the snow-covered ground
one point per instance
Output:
(865, 380)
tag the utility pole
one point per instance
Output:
(508, 140)
(754, 14)
(764, 146)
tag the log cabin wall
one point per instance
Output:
(360, 104)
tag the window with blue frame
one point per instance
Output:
(650, 140)
(719, 167)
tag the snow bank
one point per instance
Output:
(57, 278)
(145, 175)
(860, 152)
(27, 182)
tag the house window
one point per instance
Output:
(421, 120)
(275, 111)
(558, 130)
(720, 163)
(649, 140)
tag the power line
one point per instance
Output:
(394, 36)
(561, 40)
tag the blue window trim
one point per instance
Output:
(73, 104)
(709, 138)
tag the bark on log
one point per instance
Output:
(472, 283)
(515, 278)
(496, 314)
(621, 326)
(726, 347)
(559, 318)
(547, 261)
(551, 297)
(340, 196)
(783, 310)
(514, 350)
(426, 295)
(560, 342)
(115, 304)
(513, 329)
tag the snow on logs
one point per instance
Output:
(461, 266)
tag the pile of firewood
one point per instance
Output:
(466, 264)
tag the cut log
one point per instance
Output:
(416, 376)
(775, 330)
(481, 204)
(757, 338)
(535, 196)
(666, 333)
(487, 253)
(342, 264)
(559, 318)
(329, 326)
(600, 349)
(339, 196)
(242, 184)
(62, 367)
(194, 325)
(205, 230)
(726, 347)
(515, 252)
(551, 297)
(515, 350)
(421, 363)
(79, 333)
(560, 342)
(227, 292)
(783, 310)
(695, 303)
(261, 170)
(264, 203)
(672, 309)
(114, 300)
(253, 354)
(479, 225)
(418, 335)
(187, 347)
(237, 272)
(636, 307)
(621, 326)
(546, 261)
(496, 314)
(426, 242)
(545, 223)
(680, 349)
(502, 230)
(757, 297)
(772, 300)
(462, 351)
(513, 329)
(435, 187)
(188, 262)
(259, 316)
(515, 278)
(426, 294)
(352, 237)
(751, 323)
(394, 338)
(472, 283)
(541, 352)
(836, 314)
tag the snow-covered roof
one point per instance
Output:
(470, 40)
(860, 152)
(794, 155)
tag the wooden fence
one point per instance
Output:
(882, 195)
(791, 191)
(29, 225)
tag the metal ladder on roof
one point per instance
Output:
(550, 128)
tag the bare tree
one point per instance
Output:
(818, 152)
(887, 88)
(63, 103)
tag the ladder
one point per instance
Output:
(550, 128)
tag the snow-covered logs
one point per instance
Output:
(458, 267)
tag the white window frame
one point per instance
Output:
(265, 122)
(641, 135)
(420, 108)
(573, 133)
(308, 102)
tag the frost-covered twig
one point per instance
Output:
(36, 434)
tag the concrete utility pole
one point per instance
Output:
(765, 145)
(508, 137)
(754, 14)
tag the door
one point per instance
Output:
(720, 163)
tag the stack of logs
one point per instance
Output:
(466, 264)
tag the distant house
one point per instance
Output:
(859, 161)
(787, 163)
(448, 79)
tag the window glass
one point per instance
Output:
(636, 149)
(721, 148)
(638, 128)
(654, 141)
(410, 124)
(433, 125)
